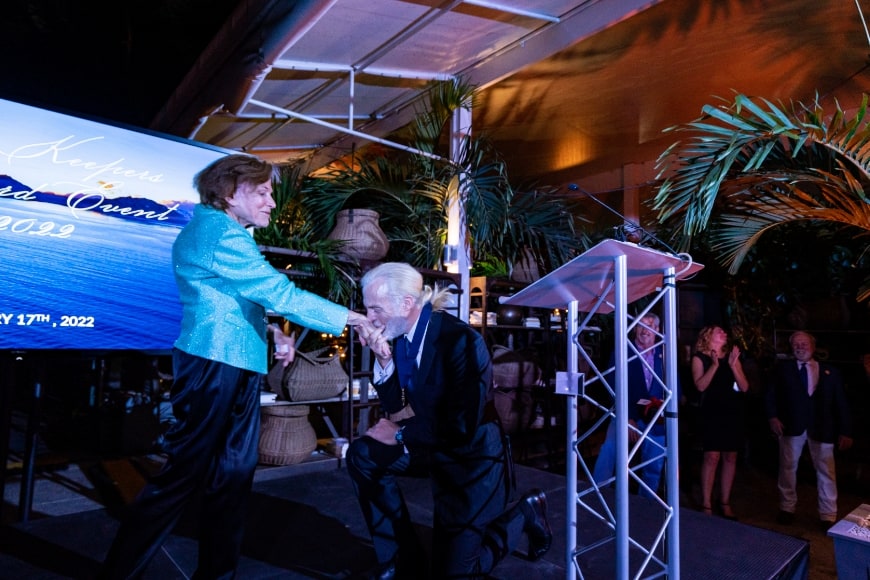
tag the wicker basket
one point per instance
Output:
(362, 235)
(511, 369)
(286, 436)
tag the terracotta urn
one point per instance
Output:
(362, 235)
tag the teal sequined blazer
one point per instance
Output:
(226, 286)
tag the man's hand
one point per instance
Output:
(633, 435)
(844, 443)
(285, 346)
(384, 431)
(775, 426)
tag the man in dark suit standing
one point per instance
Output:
(807, 406)
(435, 386)
(644, 384)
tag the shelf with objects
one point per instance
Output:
(525, 344)
(327, 389)
(303, 405)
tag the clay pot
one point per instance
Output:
(510, 315)
(526, 268)
(362, 235)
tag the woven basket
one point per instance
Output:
(514, 408)
(361, 233)
(311, 377)
(286, 436)
(512, 369)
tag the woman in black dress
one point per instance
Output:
(719, 377)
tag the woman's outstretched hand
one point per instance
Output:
(285, 346)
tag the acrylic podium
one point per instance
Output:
(606, 279)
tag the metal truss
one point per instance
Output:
(605, 280)
(636, 557)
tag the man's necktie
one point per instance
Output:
(405, 352)
(805, 377)
(406, 365)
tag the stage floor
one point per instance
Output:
(305, 523)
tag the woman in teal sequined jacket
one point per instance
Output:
(226, 287)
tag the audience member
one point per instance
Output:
(644, 384)
(807, 406)
(721, 382)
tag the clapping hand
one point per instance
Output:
(714, 355)
(734, 356)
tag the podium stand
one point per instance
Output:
(604, 280)
(851, 537)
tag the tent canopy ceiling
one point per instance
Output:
(569, 88)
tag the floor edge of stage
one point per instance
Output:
(308, 525)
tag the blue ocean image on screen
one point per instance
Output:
(112, 272)
(88, 215)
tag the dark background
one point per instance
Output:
(103, 59)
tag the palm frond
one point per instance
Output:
(750, 167)
(412, 194)
(750, 216)
(748, 138)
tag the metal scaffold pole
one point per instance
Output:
(606, 280)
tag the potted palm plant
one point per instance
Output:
(412, 192)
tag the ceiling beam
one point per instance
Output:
(579, 23)
(236, 61)
(339, 128)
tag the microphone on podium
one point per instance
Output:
(629, 231)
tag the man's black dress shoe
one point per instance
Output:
(785, 518)
(534, 507)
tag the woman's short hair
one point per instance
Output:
(220, 179)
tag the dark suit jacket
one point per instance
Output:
(637, 384)
(452, 434)
(825, 416)
(451, 387)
